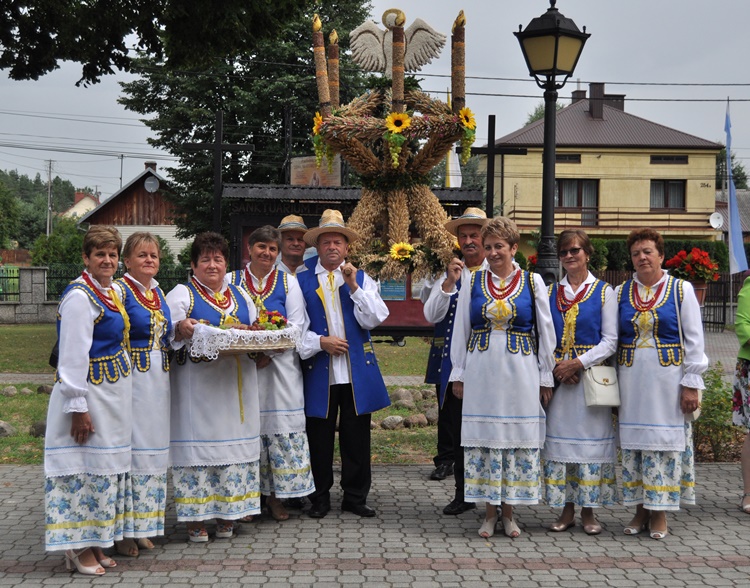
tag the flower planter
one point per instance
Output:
(700, 287)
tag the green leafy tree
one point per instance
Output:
(739, 175)
(64, 244)
(10, 217)
(256, 91)
(166, 259)
(36, 35)
(538, 112)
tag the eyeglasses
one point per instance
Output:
(572, 251)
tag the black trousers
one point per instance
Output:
(445, 451)
(354, 444)
(455, 407)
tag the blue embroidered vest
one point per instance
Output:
(276, 297)
(368, 387)
(439, 364)
(521, 324)
(588, 326)
(666, 328)
(142, 326)
(202, 310)
(108, 356)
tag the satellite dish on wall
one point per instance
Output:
(151, 184)
(715, 220)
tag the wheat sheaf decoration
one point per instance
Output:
(393, 138)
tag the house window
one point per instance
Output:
(669, 159)
(579, 194)
(568, 158)
(668, 194)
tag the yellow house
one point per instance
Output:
(614, 172)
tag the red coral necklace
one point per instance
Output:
(106, 299)
(266, 289)
(219, 300)
(642, 306)
(563, 304)
(153, 304)
(501, 293)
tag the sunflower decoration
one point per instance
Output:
(396, 122)
(401, 251)
(317, 139)
(467, 120)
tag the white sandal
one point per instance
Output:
(511, 528)
(745, 507)
(487, 529)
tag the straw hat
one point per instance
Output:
(471, 216)
(331, 222)
(293, 222)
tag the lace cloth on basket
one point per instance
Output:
(208, 340)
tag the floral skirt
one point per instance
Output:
(741, 401)
(285, 465)
(587, 485)
(502, 475)
(84, 510)
(144, 513)
(225, 492)
(660, 480)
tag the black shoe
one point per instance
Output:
(319, 509)
(294, 503)
(442, 471)
(458, 506)
(361, 510)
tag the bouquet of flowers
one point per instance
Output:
(696, 265)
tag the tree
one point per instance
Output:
(64, 245)
(35, 35)
(470, 175)
(538, 112)
(10, 217)
(739, 175)
(255, 91)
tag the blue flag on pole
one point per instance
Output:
(737, 258)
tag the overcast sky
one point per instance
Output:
(676, 61)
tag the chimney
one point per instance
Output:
(615, 101)
(80, 196)
(151, 165)
(596, 101)
(578, 95)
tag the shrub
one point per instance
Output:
(521, 259)
(598, 260)
(618, 258)
(714, 428)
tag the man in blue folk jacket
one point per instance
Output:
(339, 366)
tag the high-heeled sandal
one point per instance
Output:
(658, 534)
(511, 528)
(745, 507)
(278, 512)
(197, 534)
(487, 529)
(72, 559)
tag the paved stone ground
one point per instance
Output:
(410, 543)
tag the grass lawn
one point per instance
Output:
(409, 360)
(22, 412)
(26, 348)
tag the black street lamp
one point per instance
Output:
(551, 46)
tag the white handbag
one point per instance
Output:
(600, 387)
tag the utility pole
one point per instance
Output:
(122, 158)
(49, 197)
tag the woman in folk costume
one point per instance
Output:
(85, 492)
(579, 452)
(285, 456)
(215, 433)
(661, 362)
(150, 330)
(504, 375)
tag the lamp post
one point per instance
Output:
(551, 46)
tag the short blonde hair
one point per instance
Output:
(502, 228)
(101, 236)
(136, 240)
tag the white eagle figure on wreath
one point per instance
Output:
(372, 47)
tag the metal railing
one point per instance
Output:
(9, 284)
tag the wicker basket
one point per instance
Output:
(211, 342)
